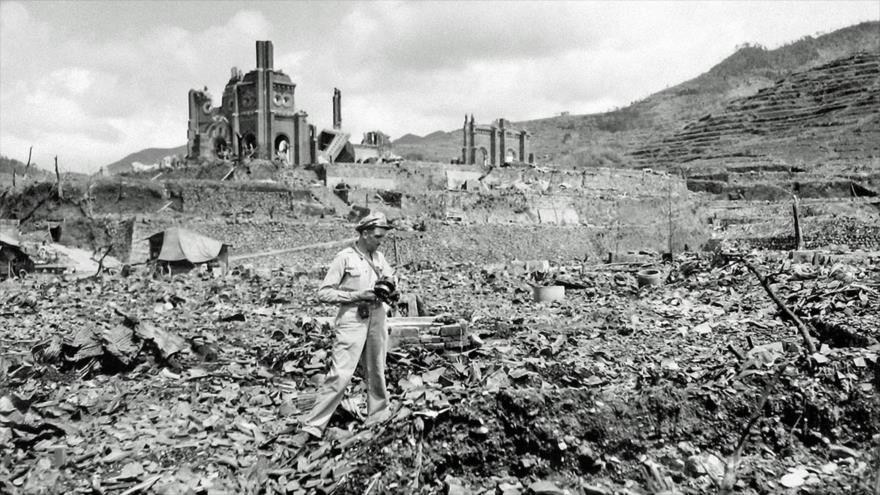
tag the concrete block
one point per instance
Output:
(538, 266)
(517, 267)
(457, 344)
(396, 340)
(826, 259)
(802, 256)
(418, 321)
(431, 339)
(495, 268)
(451, 330)
(412, 307)
(435, 347)
(408, 332)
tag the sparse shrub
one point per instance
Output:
(600, 156)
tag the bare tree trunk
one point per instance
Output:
(798, 236)
(58, 178)
(101, 261)
(669, 217)
(28, 166)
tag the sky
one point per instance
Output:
(92, 81)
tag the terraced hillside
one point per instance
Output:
(825, 115)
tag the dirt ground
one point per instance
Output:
(616, 389)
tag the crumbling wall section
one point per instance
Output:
(525, 207)
(453, 243)
(248, 236)
(246, 199)
(416, 177)
(441, 242)
(123, 196)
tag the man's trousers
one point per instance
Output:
(357, 339)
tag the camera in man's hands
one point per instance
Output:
(386, 291)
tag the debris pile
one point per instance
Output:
(696, 385)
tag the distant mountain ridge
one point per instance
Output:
(146, 156)
(607, 139)
(10, 166)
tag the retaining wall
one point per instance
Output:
(414, 177)
(441, 242)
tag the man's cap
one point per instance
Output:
(375, 220)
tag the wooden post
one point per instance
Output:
(58, 178)
(13, 177)
(669, 218)
(28, 166)
(798, 236)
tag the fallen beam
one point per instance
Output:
(275, 252)
(765, 282)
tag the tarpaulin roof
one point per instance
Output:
(9, 232)
(180, 244)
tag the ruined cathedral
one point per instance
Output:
(257, 117)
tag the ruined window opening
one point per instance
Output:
(509, 156)
(221, 147)
(282, 148)
(250, 143)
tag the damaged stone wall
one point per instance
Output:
(565, 214)
(244, 198)
(414, 177)
(441, 242)
(516, 207)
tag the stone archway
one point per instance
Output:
(221, 147)
(218, 133)
(249, 141)
(482, 157)
(509, 156)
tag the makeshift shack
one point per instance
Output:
(178, 250)
(13, 261)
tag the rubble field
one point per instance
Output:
(192, 384)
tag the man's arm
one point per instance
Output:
(329, 292)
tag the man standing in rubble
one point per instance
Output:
(360, 327)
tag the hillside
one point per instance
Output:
(8, 165)
(824, 115)
(23, 174)
(606, 139)
(146, 156)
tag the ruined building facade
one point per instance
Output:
(495, 144)
(257, 117)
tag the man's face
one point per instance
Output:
(373, 238)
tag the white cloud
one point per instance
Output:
(93, 87)
(103, 98)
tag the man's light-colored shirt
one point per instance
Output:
(349, 273)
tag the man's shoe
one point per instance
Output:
(379, 417)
